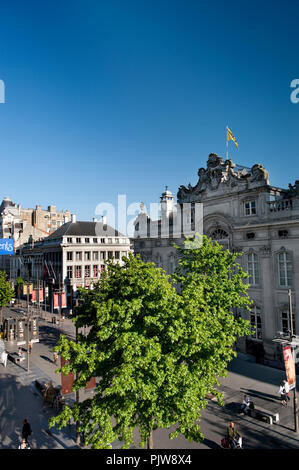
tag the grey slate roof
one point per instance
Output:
(7, 202)
(85, 229)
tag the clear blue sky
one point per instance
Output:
(107, 97)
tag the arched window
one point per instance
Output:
(219, 234)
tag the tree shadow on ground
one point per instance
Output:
(258, 394)
(18, 402)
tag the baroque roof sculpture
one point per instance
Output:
(225, 173)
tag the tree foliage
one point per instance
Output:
(6, 291)
(157, 345)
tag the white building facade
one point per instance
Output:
(243, 212)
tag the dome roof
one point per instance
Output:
(7, 202)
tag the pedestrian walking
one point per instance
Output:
(55, 356)
(26, 430)
(24, 445)
(4, 356)
(287, 389)
(282, 394)
(245, 405)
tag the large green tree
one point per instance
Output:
(6, 292)
(157, 350)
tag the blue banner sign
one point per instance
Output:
(6, 246)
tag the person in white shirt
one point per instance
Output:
(245, 404)
(287, 389)
(282, 394)
(4, 357)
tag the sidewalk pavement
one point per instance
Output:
(20, 399)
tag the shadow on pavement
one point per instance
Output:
(211, 444)
(264, 396)
(18, 402)
(46, 359)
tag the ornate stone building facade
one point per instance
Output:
(243, 212)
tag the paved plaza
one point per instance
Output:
(19, 399)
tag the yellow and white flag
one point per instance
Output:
(230, 136)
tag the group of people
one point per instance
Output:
(233, 438)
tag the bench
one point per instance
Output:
(14, 357)
(258, 412)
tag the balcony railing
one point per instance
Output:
(281, 205)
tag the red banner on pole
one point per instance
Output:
(63, 300)
(33, 296)
(41, 295)
(56, 300)
(289, 365)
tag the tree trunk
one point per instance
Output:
(150, 440)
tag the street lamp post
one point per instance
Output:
(291, 339)
(28, 321)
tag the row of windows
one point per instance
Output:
(76, 272)
(285, 268)
(93, 255)
(96, 240)
(256, 322)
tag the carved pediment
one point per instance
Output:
(218, 173)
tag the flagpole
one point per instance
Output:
(226, 145)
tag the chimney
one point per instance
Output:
(65, 219)
(74, 218)
(104, 220)
(94, 219)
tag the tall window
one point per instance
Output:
(285, 322)
(69, 256)
(95, 270)
(95, 255)
(250, 208)
(87, 271)
(78, 272)
(171, 264)
(253, 269)
(87, 255)
(256, 321)
(102, 254)
(69, 272)
(78, 256)
(285, 269)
